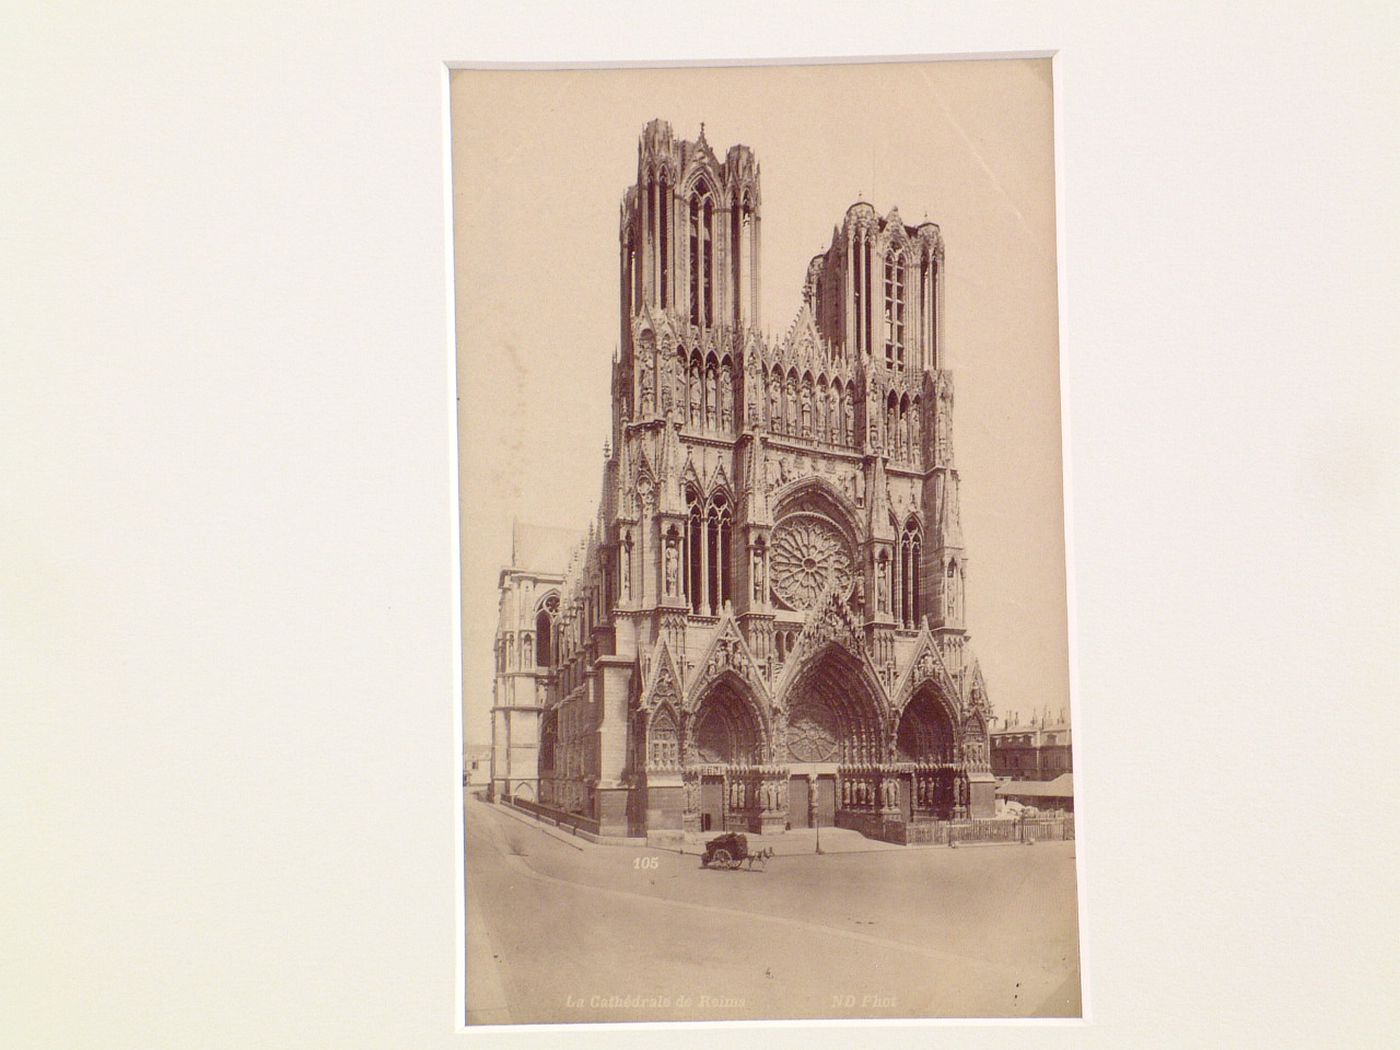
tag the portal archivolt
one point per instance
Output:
(726, 728)
(834, 712)
(925, 732)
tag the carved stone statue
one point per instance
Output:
(775, 405)
(850, 420)
(759, 583)
(670, 569)
(626, 570)
(648, 380)
(711, 397)
(695, 388)
(682, 377)
(882, 586)
(667, 383)
(806, 411)
(726, 398)
(942, 429)
(915, 445)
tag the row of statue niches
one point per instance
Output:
(705, 400)
(859, 792)
(944, 788)
(763, 795)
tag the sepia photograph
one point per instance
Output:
(801, 525)
(765, 697)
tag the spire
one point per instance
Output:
(623, 479)
(877, 499)
(755, 479)
(670, 462)
(949, 515)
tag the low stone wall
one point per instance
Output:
(558, 817)
(871, 825)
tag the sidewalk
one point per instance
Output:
(788, 844)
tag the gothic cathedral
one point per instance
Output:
(764, 627)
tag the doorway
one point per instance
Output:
(826, 801)
(712, 804)
(798, 802)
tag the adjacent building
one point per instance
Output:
(1039, 750)
(765, 626)
(526, 654)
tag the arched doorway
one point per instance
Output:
(926, 747)
(834, 720)
(725, 738)
(925, 731)
(834, 714)
(726, 729)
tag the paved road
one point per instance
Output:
(558, 933)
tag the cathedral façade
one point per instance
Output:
(764, 627)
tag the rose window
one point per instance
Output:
(808, 555)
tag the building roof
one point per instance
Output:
(542, 549)
(1061, 787)
(1032, 728)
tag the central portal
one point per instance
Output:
(835, 712)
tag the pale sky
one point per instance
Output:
(540, 163)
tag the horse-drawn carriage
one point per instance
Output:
(731, 850)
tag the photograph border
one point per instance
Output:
(1082, 825)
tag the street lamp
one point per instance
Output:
(816, 813)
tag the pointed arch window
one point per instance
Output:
(636, 269)
(651, 233)
(709, 553)
(695, 260)
(665, 238)
(694, 550)
(910, 552)
(545, 617)
(859, 290)
(894, 310)
(925, 310)
(719, 538)
(702, 232)
(709, 267)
